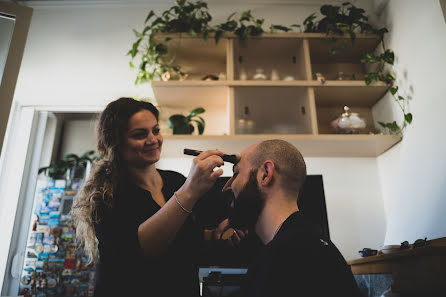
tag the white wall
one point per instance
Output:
(413, 174)
(352, 192)
(76, 56)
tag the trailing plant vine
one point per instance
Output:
(348, 19)
(183, 17)
(194, 19)
(189, 18)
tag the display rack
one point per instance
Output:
(289, 104)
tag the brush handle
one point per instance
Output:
(227, 158)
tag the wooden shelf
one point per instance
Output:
(310, 145)
(269, 35)
(192, 94)
(265, 83)
(351, 93)
(331, 93)
(302, 106)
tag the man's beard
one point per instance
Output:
(247, 205)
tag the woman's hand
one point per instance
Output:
(236, 236)
(202, 175)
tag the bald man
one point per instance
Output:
(293, 260)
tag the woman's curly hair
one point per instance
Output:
(99, 188)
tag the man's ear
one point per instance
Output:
(267, 171)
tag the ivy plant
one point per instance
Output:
(183, 17)
(348, 19)
(246, 26)
(194, 18)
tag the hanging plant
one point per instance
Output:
(193, 19)
(183, 17)
(348, 19)
(246, 26)
(189, 18)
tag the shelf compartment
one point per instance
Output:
(309, 145)
(350, 93)
(320, 49)
(325, 115)
(272, 110)
(350, 71)
(205, 94)
(196, 56)
(284, 55)
(265, 83)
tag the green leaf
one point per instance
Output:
(131, 64)
(384, 125)
(137, 34)
(230, 16)
(134, 49)
(401, 98)
(393, 126)
(388, 56)
(200, 126)
(218, 35)
(71, 157)
(246, 16)
(408, 117)
(280, 27)
(149, 16)
(196, 111)
(394, 90)
(43, 169)
(192, 32)
(310, 18)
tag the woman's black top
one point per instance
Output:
(122, 270)
(298, 262)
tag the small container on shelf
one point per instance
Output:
(242, 74)
(320, 78)
(275, 74)
(259, 75)
(348, 123)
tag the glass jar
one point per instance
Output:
(348, 123)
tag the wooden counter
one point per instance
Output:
(416, 272)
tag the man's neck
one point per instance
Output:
(274, 213)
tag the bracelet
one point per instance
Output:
(182, 207)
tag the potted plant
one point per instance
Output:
(70, 167)
(183, 17)
(181, 124)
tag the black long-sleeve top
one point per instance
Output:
(122, 270)
(299, 262)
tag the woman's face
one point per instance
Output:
(143, 140)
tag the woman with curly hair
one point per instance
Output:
(134, 218)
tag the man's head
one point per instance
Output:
(265, 170)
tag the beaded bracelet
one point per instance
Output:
(182, 207)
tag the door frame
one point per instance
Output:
(22, 16)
